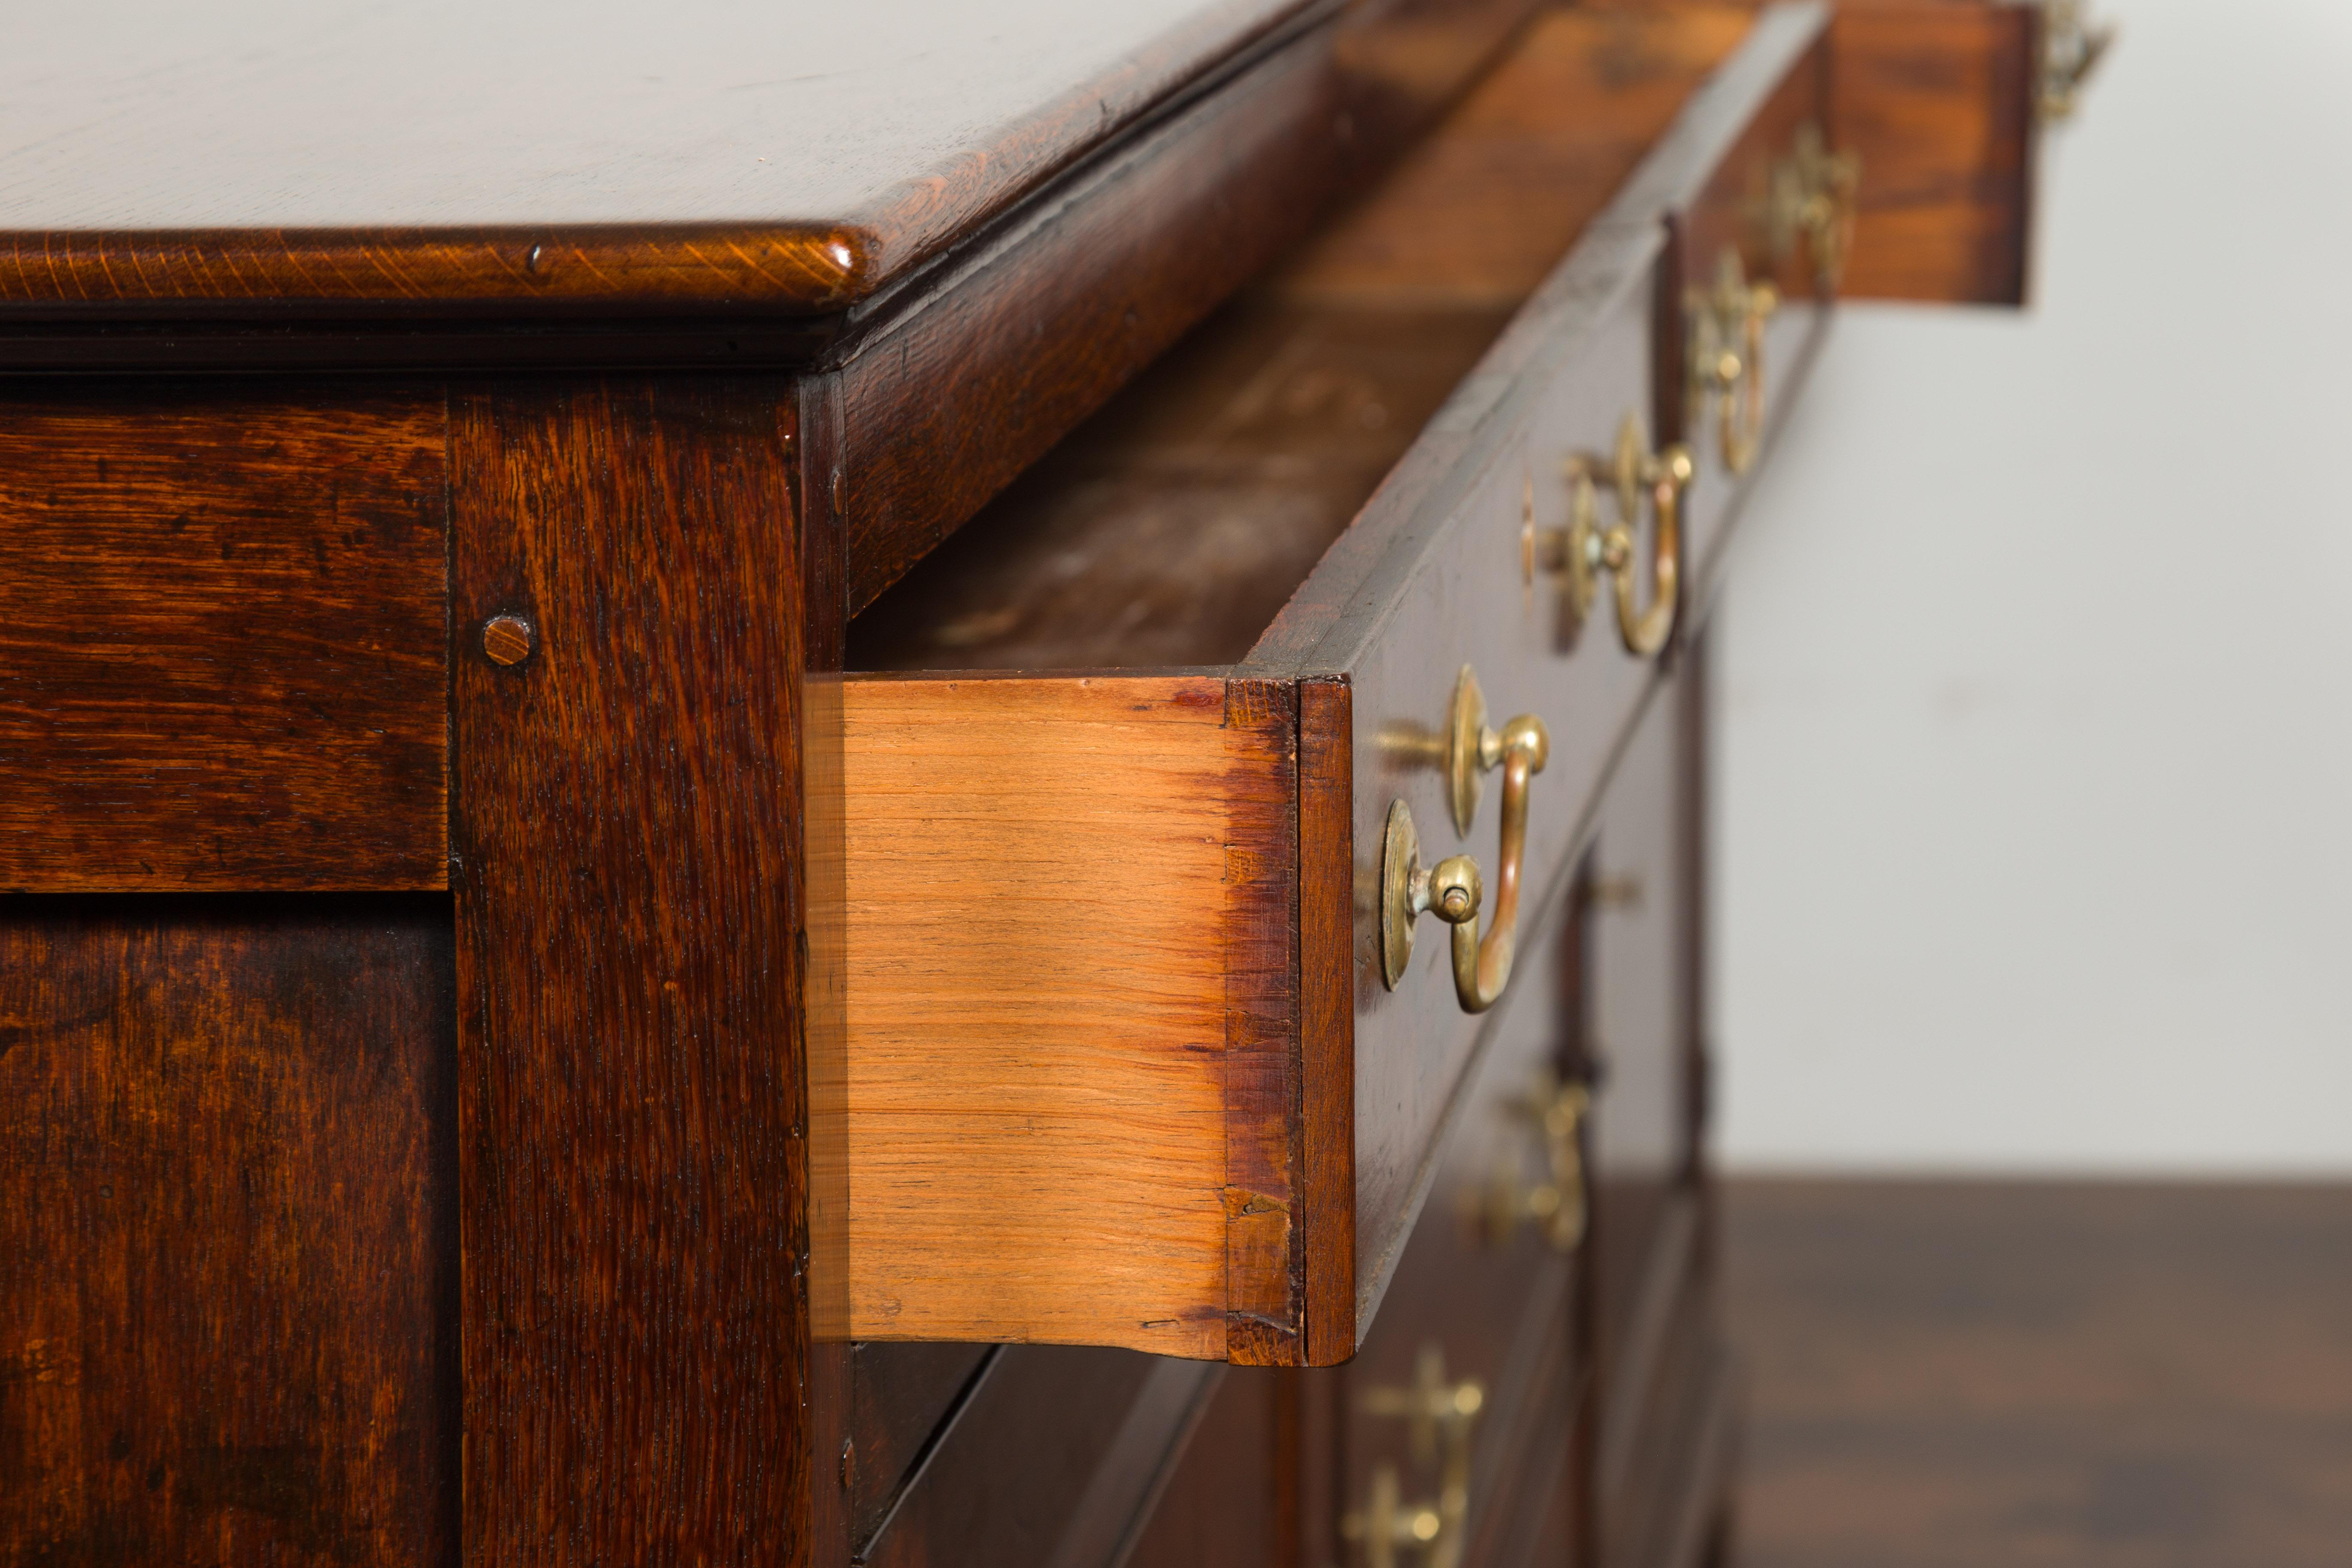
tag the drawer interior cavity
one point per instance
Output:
(1169, 531)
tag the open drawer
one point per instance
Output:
(1153, 769)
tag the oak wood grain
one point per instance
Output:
(229, 1231)
(223, 639)
(631, 922)
(1938, 97)
(1043, 879)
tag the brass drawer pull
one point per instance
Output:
(2072, 48)
(1727, 329)
(1439, 1416)
(1453, 889)
(1556, 1207)
(1583, 551)
(1812, 198)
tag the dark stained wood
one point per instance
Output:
(693, 215)
(223, 639)
(2102, 1374)
(630, 925)
(783, 156)
(1223, 1504)
(1326, 1011)
(1937, 96)
(1265, 1245)
(1498, 1304)
(841, 1501)
(229, 1231)
(1662, 1464)
(900, 1394)
(1636, 931)
(1055, 1459)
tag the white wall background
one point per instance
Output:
(2033, 823)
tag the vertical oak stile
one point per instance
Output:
(626, 852)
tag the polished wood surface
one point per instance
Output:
(2102, 1375)
(629, 972)
(1055, 916)
(222, 643)
(798, 157)
(229, 1231)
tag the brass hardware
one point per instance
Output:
(1466, 751)
(1813, 196)
(1556, 1207)
(1453, 889)
(1439, 1416)
(1727, 357)
(1449, 890)
(1474, 748)
(1583, 551)
(2072, 48)
(1387, 1524)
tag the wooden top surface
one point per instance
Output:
(789, 155)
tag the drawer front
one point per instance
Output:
(1641, 1043)
(1488, 1295)
(1747, 302)
(1546, 458)
(1464, 600)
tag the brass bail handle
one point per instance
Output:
(1584, 552)
(1439, 1414)
(1813, 195)
(1734, 311)
(1453, 890)
(1558, 1206)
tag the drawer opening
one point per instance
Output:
(1169, 531)
(1118, 756)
